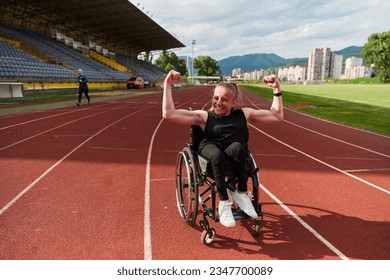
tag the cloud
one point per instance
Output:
(287, 28)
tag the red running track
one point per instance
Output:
(97, 182)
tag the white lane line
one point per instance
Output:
(147, 229)
(51, 129)
(338, 140)
(34, 120)
(47, 117)
(367, 170)
(355, 158)
(305, 225)
(16, 198)
(322, 162)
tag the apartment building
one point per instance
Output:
(236, 72)
(357, 72)
(257, 74)
(324, 64)
(293, 73)
(315, 67)
(354, 69)
(353, 62)
(336, 66)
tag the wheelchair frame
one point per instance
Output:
(195, 186)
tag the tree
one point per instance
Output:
(169, 61)
(206, 66)
(377, 52)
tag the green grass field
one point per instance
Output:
(365, 106)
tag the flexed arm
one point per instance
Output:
(168, 106)
(275, 113)
(181, 116)
(277, 103)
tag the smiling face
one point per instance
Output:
(223, 101)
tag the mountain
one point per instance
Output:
(251, 62)
(351, 51)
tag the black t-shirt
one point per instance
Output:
(224, 130)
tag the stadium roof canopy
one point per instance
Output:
(117, 25)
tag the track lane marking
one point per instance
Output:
(338, 140)
(16, 198)
(322, 162)
(305, 225)
(355, 158)
(47, 117)
(367, 170)
(147, 228)
(104, 103)
(54, 128)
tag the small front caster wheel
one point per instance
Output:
(208, 236)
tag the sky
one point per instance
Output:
(288, 28)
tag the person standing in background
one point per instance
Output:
(83, 87)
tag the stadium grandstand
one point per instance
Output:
(47, 41)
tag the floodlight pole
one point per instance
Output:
(192, 63)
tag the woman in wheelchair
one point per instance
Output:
(226, 136)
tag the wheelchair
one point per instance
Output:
(195, 187)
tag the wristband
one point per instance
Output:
(278, 93)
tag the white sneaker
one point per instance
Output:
(245, 203)
(225, 214)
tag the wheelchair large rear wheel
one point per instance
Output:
(186, 186)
